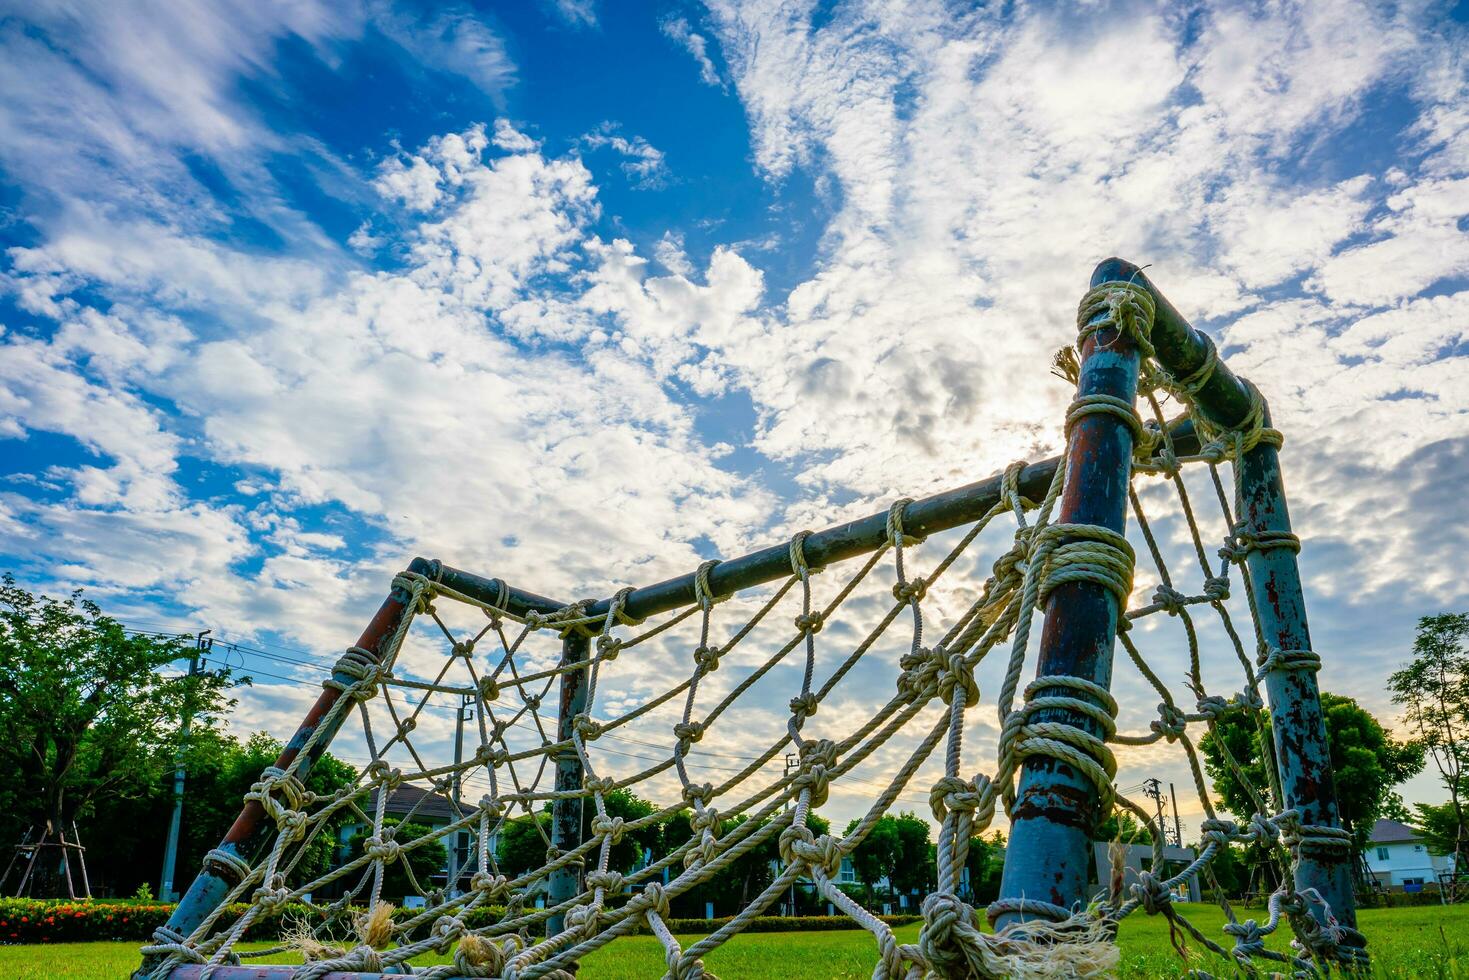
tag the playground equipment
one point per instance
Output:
(775, 620)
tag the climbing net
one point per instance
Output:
(671, 700)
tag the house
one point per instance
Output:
(415, 804)
(1399, 860)
(1139, 858)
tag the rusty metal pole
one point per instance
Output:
(1297, 724)
(250, 829)
(566, 814)
(1057, 807)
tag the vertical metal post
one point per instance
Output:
(250, 829)
(175, 821)
(1056, 807)
(456, 851)
(1297, 723)
(566, 814)
(1299, 730)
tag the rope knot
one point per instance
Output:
(491, 886)
(1171, 722)
(611, 828)
(919, 680)
(653, 899)
(687, 733)
(707, 658)
(956, 672)
(611, 882)
(586, 726)
(384, 849)
(950, 939)
(1249, 939)
(1212, 707)
(464, 648)
(1219, 831)
(804, 705)
(818, 758)
(1172, 601)
(698, 793)
(913, 591)
(582, 920)
(1216, 588)
(609, 646)
(706, 819)
(600, 784)
(447, 930)
(810, 622)
(1153, 894)
(489, 689)
(951, 794)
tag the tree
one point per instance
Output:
(1367, 762)
(425, 860)
(125, 836)
(523, 842)
(915, 869)
(635, 843)
(873, 859)
(1433, 689)
(986, 863)
(85, 708)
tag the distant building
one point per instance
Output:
(1139, 858)
(1399, 860)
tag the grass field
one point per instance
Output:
(1426, 942)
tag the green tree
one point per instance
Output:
(1438, 825)
(873, 859)
(87, 708)
(1366, 760)
(1433, 689)
(914, 872)
(425, 860)
(986, 863)
(522, 843)
(634, 844)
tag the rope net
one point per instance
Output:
(685, 720)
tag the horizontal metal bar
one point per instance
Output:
(940, 512)
(488, 590)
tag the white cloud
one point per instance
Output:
(678, 30)
(642, 161)
(577, 13)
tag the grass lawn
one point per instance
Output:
(1428, 942)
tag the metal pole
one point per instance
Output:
(170, 850)
(1057, 808)
(456, 858)
(1177, 825)
(1297, 725)
(566, 814)
(250, 829)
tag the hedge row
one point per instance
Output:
(26, 920)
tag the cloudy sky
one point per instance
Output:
(581, 293)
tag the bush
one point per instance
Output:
(29, 920)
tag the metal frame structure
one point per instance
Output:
(1056, 806)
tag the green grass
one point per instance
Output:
(1426, 941)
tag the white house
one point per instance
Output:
(1399, 860)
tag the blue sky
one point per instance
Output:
(581, 293)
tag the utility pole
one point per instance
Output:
(456, 858)
(1177, 826)
(1153, 789)
(203, 642)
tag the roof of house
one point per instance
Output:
(1392, 832)
(430, 807)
